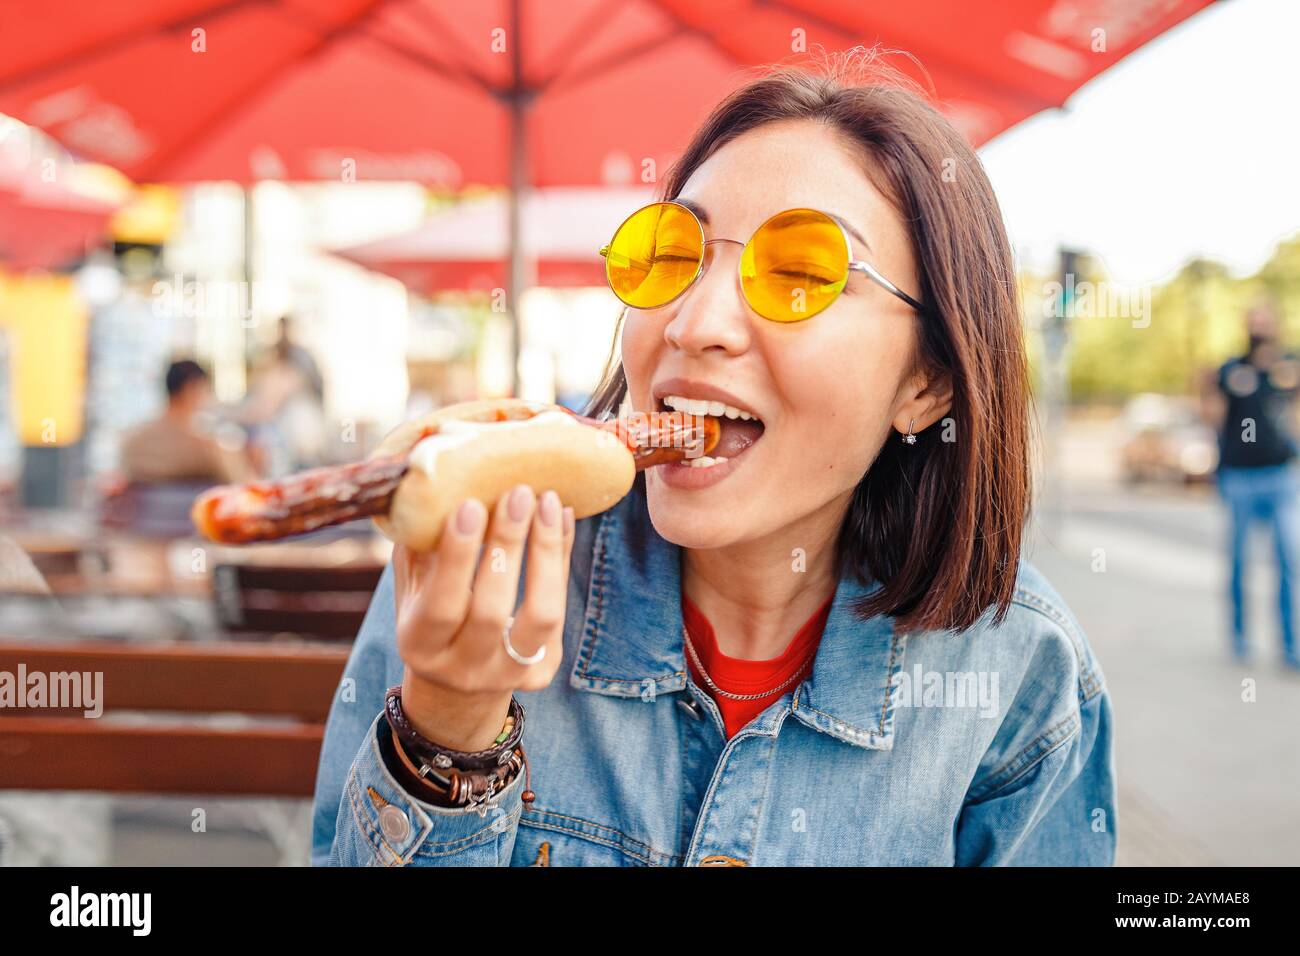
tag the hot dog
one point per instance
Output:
(424, 468)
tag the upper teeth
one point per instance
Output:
(698, 406)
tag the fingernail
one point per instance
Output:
(469, 516)
(550, 509)
(518, 506)
(568, 520)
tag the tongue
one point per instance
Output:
(737, 435)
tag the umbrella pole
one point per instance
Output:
(518, 177)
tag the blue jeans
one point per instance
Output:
(1269, 494)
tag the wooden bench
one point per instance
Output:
(324, 602)
(45, 749)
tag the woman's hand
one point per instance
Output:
(458, 679)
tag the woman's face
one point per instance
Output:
(828, 390)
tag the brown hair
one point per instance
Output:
(937, 524)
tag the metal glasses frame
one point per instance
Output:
(854, 265)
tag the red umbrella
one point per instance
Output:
(43, 222)
(466, 247)
(430, 89)
(503, 92)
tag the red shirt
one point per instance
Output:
(738, 676)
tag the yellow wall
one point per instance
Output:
(46, 323)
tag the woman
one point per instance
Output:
(818, 646)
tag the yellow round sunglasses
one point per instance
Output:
(793, 267)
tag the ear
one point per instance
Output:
(924, 399)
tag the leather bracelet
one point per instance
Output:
(460, 789)
(472, 790)
(445, 784)
(443, 758)
(404, 772)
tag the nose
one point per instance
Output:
(713, 314)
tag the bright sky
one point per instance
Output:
(1191, 146)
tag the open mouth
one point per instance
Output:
(740, 428)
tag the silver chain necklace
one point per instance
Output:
(695, 659)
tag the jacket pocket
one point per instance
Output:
(573, 841)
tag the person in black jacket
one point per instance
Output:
(1252, 402)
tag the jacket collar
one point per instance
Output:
(631, 644)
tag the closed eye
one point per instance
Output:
(803, 274)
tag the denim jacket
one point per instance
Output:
(987, 748)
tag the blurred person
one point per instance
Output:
(1250, 401)
(285, 406)
(722, 652)
(170, 449)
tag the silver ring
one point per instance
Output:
(515, 656)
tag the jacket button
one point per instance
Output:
(688, 705)
(394, 824)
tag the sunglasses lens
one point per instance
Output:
(795, 265)
(655, 255)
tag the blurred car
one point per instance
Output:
(1166, 440)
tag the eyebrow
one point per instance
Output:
(694, 207)
(853, 231)
(702, 214)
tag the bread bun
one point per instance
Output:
(482, 449)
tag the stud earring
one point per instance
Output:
(909, 438)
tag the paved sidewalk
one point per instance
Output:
(1205, 776)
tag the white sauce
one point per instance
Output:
(453, 434)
